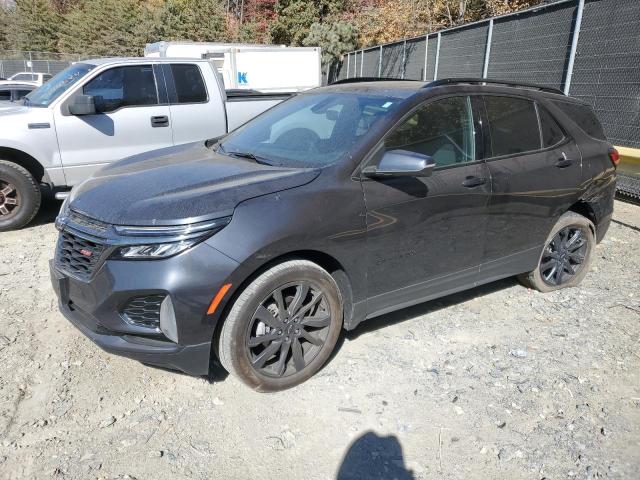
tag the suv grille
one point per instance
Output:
(76, 255)
(144, 311)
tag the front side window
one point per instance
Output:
(513, 125)
(312, 129)
(189, 84)
(118, 87)
(442, 130)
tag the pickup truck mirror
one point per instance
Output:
(82, 105)
(401, 163)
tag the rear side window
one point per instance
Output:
(552, 134)
(513, 125)
(189, 83)
(5, 94)
(584, 116)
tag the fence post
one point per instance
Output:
(487, 51)
(348, 64)
(435, 70)
(574, 47)
(380, 63)
(426, 52)
(404, 59)
(361, 62)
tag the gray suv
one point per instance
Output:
(341, 204)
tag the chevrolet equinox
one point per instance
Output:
(336, 206)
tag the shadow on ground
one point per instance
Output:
(373, 457)
(48, 211)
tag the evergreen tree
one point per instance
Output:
(295, 17)
(105, 28)
(4, 28)
(334, 38)
(34, 26)
(195, 20)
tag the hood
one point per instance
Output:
(8, 108)
(178, 185)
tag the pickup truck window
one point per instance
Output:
(131, 86)
(310, 130)
(60, 83)
(189, 83)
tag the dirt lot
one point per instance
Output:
(499, 382)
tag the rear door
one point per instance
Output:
(131, 120)
(425, 235)
(197, 112)
(536, 172)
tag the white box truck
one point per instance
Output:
(265, 68)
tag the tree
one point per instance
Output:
(335, 39)
(34, 26)
(196, 20)
(295, 17)
(104, 28)
(4, 28)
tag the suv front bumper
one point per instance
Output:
(191, 279)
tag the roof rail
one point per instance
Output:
(365, 79)
(478, 81)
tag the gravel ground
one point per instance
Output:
(498, 382)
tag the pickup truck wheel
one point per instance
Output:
(19, 196)
(566, 257)
(283, 326)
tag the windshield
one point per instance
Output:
(24, 76)
(47, 93)
(310, 130)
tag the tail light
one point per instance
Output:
(614, 156)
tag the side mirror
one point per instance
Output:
(401, 163)
(82, 105)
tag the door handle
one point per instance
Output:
(564, 162)
(160, 121)
(472, 182)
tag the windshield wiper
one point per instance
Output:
(247, 155)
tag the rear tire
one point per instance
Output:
(566, 257)
(20, 196)
(296, 307)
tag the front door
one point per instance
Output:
(425, 235)
(130, 121)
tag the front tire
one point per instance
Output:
(566, 257)
(19, 196)
(283, 326)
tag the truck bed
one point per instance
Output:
(243, 105)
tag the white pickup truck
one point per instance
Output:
(99, 111)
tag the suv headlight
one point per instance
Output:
(147, 243)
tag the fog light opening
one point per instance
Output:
(168, 320)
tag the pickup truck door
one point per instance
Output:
(133, 118)
(197, 112)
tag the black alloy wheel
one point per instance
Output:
(288, 329)
(564, 256)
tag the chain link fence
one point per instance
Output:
(588, 48)
(14, 61)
